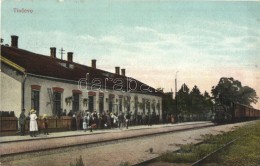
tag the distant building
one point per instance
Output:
(51, 85)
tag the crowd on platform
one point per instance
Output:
(106, 120)
(85, 120)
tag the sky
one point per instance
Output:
(151, 39)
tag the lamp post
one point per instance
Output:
(176, 95)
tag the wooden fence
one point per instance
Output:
(9, 125)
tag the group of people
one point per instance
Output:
(89, 120)
(170, 118)
(85, 120)
(33, 125)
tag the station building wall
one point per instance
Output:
(43, 84)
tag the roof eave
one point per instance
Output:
(12, 64)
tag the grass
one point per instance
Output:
(245, 151)
(188, 153)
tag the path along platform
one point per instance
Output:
(22, 144)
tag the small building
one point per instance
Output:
(54, 86)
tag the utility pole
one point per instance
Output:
(176, 103)
(61, 52)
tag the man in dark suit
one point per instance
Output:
(127, 118)
(22, 120)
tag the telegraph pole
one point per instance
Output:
(62, 52)
(176, 103)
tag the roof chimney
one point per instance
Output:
(94, 63)
(117, 70)
(70, 56)
(123, 72)
(14, 41)
(53, 52)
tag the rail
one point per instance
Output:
(198, 162)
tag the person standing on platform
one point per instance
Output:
(74, 121)
(22, 120)
(108, 120)
(112, 119)
(172, 118)
(78, 118)
(45, 124)
(85, 124)
(33, 123)
(95, 117)
(143, 119)
(91, 122)
(127, 118)
(149, 119)
(120, 120)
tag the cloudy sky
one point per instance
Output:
(152, 39)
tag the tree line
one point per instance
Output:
(195, 105)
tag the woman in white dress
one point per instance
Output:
(85, 122)
(33, 123)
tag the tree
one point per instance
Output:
(193, 102)
(168, 105)
(207, 104)
(183, 100)
(230, 90)
(248, 95)
(207, 101)
(196, 101)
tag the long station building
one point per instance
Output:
(54, 86)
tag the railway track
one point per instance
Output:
(13, 149)
(200, 161)
(112, 142)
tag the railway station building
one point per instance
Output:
(54, 86)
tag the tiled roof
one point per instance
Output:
(53, 67)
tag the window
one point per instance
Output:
(101, 104)
(148, 104)
(35, 100)
(111, 102)
(110, 106)
(91, 103)
(57, 103)
(128, 104)
(143, 104)
(136, 105)
(158, 106)
(153, 105)
(75, 104)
